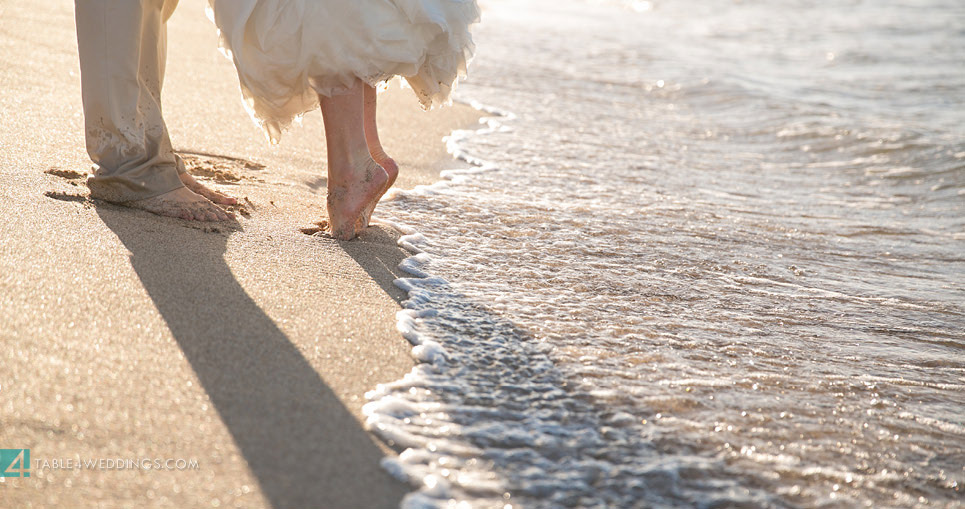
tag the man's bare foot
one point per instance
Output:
(182, 203)
(198, 188)
(347, 200)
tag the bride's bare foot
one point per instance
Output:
(392, 171)
(375, 149)
(198, 188)
(182, 203)
(348, 200)
(387, 163)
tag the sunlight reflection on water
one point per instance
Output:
(713, 266)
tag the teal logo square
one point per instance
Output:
(14, 462)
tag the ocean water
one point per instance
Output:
(711, 254)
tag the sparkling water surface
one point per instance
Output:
(714, 257)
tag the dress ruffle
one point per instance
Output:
(288, 51)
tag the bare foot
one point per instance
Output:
(347, 200)
(371, 129)
(182, 203)
(387, 163)
(392, 170)
(198, 188)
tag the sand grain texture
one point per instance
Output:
(246, 347)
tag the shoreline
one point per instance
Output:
(248, 348)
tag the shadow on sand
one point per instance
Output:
(379, 255)
(302, 444)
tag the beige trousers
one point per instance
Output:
(123, 46)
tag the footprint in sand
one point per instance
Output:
(66, 196)
(225, 170)
(71, 175)
(73, 178)
(320, 228)
(220, 169)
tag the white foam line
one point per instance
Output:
(385, 411)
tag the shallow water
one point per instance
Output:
(715, 257)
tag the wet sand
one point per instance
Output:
(245, 347)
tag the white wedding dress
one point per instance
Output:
(288, 51)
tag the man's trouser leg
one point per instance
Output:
(122, 46)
